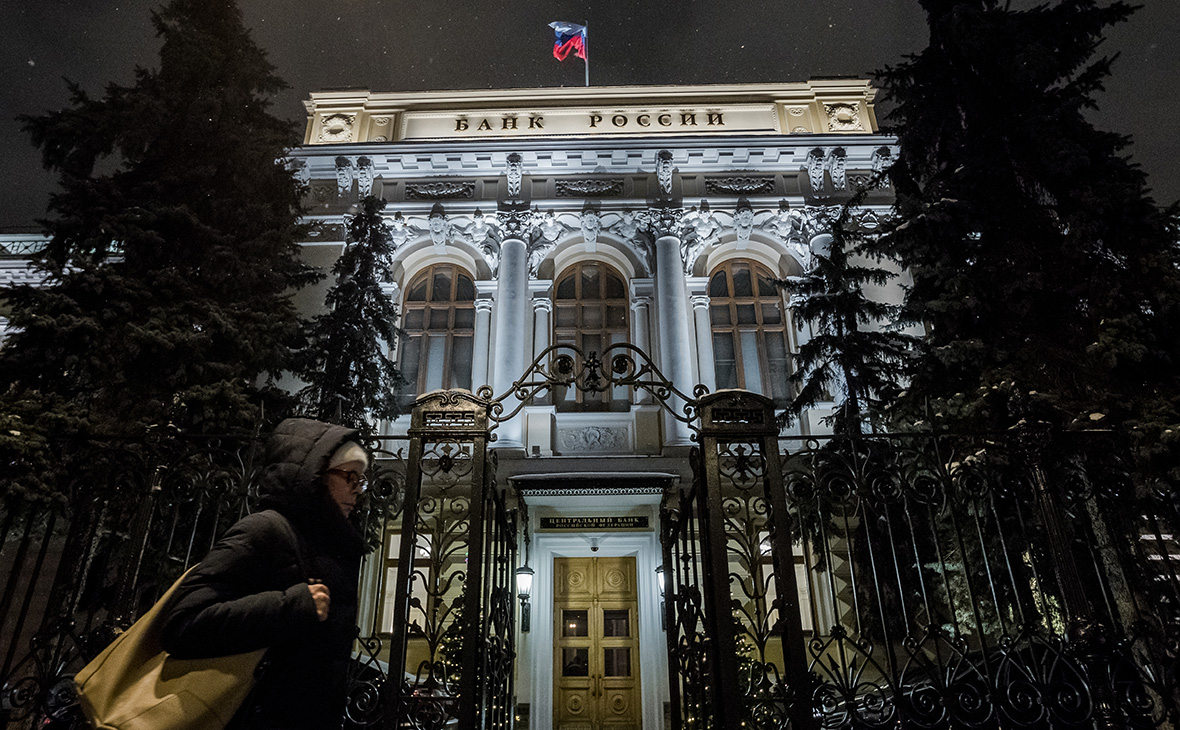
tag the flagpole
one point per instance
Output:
(586, 50)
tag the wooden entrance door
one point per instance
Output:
(596, 645)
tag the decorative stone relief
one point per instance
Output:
(345, 173)
(664, 171)
(591, 225)
(589, 188)
(701, 229)
(739, 186)
(843, 117)
(399, 230)
(515, 174)
(593, 439)
(815, 170)
(337, 127)
(743, 224)
(551, 228)
(364, 176)
(440, 190)
(381, 121)
(439, 228)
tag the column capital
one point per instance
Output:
(516, 220)
(664, 218)
(542, 304)
(640, 302)
(484, 304)
(699, 301)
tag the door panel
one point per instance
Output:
(596, 645)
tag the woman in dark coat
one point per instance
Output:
(285, 578)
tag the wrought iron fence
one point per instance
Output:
(928, 582)
(84, 562)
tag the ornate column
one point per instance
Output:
(640, 330)
(542, 331)
(672, 305)
(483, 336)
(704, 332)
(512, 288)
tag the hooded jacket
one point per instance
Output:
(251, 590)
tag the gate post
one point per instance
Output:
(746, 525)
(440, 619)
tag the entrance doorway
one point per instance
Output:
(596, 644)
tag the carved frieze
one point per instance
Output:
(440, 190)
(592, 188)
(739, 186)
(592, 439)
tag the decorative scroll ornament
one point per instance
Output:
(836, 163)
(364, 177)
(337, 127)
(591, 226)
(664, 171)
(439, 228)
(589, 188)
(815, 170)
(302, 171)
(739, 186)
(439, 190)
(843, 117)
(883, 159)
(344, 175)
(515, 174)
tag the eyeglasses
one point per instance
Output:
(353, 478)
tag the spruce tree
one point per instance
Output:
(173, 247)
(853, 350)
(351, 378)
(1041, 267)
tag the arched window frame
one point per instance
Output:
(592, 324)
(751, 329)
(439, 329)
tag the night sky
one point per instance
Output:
(396, 45)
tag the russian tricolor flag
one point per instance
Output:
(571, 38)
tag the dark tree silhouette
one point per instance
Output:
(351, 378)
(173, 246)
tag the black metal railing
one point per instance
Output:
(921, 581)
(84, 561)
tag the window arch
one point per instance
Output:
(438, 318)
(591, 312)
(749, 329)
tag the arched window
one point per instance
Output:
(438, 318)
(590, 312)
(749, 329)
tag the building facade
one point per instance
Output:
(663, 218)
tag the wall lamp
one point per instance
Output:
(524, 589)
(660, 585)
